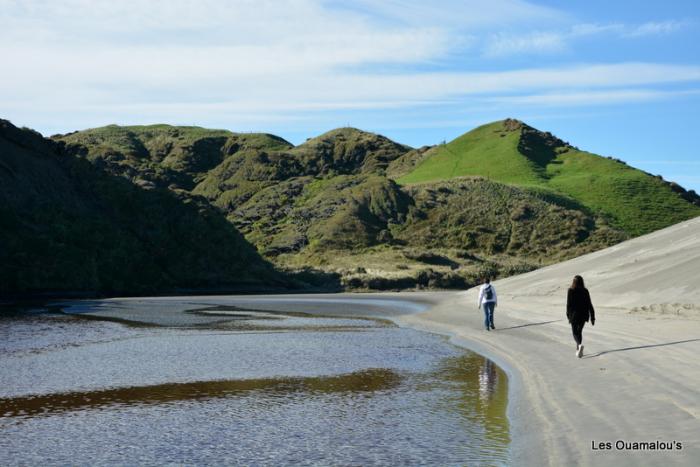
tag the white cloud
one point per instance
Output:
(501, 45)
(296, 29)
(460, 14)
(249, 21)
(626, 30)
(589, 98)
(191, 85)
(654, 29)
(77, 61)
(593, 29)
(105, 52)
(555, 41)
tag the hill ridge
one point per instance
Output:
(501, 199)
(510, 151)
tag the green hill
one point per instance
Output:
(512, 152)
(164, 155)
(66, 225)
(354, 208)
(328, 205)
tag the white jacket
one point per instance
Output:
(482, 295)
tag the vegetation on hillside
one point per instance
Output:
(499, 200)
(68, 226)
(511, 152)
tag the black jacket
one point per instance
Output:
(578, 306)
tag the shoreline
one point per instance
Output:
(396, 307)
(637, 382)
(418, 397)
(560, 406)
(518, 426)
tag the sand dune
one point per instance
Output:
(639, 380)
(662, 268)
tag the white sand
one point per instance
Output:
(640, 377)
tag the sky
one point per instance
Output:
(619, 79)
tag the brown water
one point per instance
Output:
(245, 387)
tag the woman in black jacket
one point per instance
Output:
(579, 310)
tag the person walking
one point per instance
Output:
(579, 310)
(488, 301)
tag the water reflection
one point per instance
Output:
(480, 396)
(370, 380)
(488, 380)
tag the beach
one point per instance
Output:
(639, 377)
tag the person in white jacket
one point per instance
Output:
(488, 301)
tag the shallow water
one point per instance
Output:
(244, 387)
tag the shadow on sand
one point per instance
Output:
(640, 347)
(529, 324)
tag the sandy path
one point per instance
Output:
(640, 378)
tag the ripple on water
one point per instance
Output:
(108, 393)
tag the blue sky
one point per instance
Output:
(616, 78)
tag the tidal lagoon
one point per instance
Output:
(183, 381)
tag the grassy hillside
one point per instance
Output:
(164, 155)
(348, 150)
(490, 151)
(356, 209)
(374, 234)
(327, 204)
(67, 226)
(636, 201)
(514, 153)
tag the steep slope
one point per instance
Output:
(512, 152)
(492, 151)
(67, 226)
(489, 218)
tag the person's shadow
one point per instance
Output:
(529, 324)
(640, 347)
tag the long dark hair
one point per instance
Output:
(577, 283)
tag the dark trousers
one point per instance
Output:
(577, 330)
(488, 313)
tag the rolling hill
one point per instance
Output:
(512, 152)
(369, 213)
